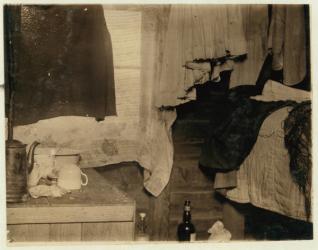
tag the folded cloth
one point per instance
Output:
(219, 233)
(225, 180)
(275, 91)
(45, 190)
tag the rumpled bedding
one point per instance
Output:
(232, 140)
(264, 178)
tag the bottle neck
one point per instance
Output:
(187, 214)
(142, 223)
(142, 227)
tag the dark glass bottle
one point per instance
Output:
(186, 230)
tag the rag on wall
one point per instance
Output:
(65, 63)
(255, 23)
(197, 32)
(287, 38)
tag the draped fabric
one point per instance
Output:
(255, 23)
(288, 42)
(65, 64)
(155, 151)
(197, 32)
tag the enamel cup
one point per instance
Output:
(70, 177)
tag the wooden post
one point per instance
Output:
(12, 19)
(159, 217)
(10, 116)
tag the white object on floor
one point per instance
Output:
(219, 233)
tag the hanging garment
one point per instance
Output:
(65, 64)
(255, 23)
(197, 32)
(288, 42)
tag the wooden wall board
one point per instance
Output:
(30, 232)
(114, 231)
(66, 232)
(159, 212)
(70, 214)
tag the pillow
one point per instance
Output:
(275, 91)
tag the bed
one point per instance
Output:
(264, 178)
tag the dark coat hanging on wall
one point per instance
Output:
(65, 63)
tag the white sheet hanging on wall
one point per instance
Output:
(156, 147)
(288, 42)
(197, 32)
(255, 22)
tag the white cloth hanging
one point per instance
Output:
(197, 32)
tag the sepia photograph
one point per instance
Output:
(157, 123)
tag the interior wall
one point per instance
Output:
(114, 139)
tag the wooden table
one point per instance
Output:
(98, 212)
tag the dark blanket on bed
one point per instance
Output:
(231, 140)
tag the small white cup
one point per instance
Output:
(70, 177)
